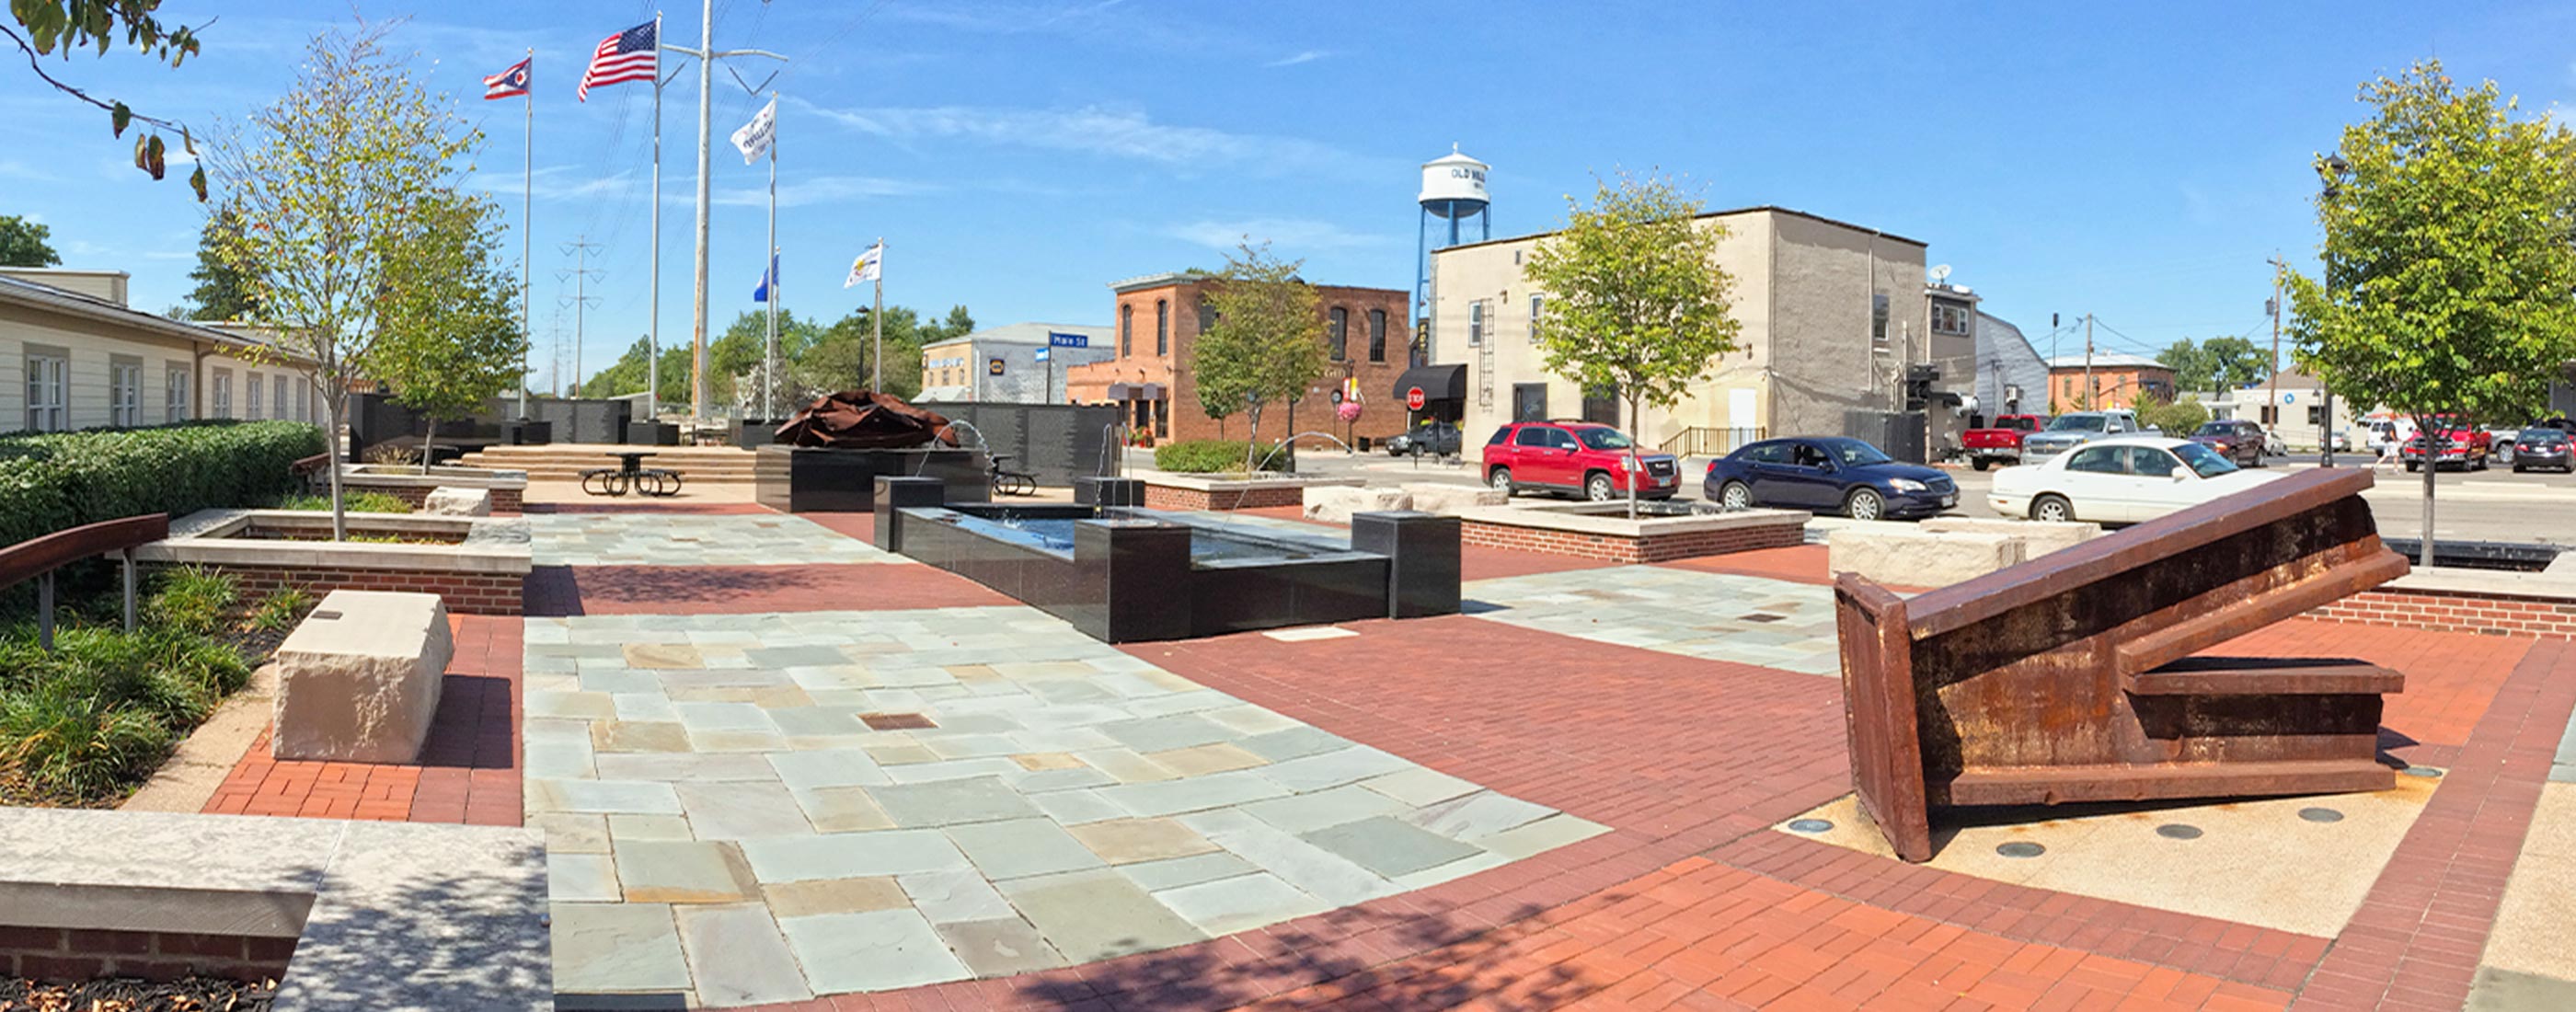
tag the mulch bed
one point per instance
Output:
(195, 994)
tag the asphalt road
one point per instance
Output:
(2491, 505)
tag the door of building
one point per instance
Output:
(1529, 402)
(1601, 405)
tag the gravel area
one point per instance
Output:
(195, 994)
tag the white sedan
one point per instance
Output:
(2120, 481)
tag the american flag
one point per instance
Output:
(510, 83)
(626, 56)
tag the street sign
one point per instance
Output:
(2289, 398)
(1413, 399)
(1060, 339)
(994, 367)
(1042, 354)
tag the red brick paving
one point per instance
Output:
(468, 772)
(737, 590)
(1797, 563)
(647, 506)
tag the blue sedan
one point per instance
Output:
(1828, 475)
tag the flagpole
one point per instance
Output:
(653, 338)
(876, 323)
(527, 231)
(769, 364)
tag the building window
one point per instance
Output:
(174, 394)
(1337, 333)
(1601, 405)
(47, 388)
(223, 406)
(277, 398)
(1949, 318)
(1475, 324)
(2316, 414)
(1878, 317)
(304, 401)
(1377, 335)
(1529, 402)
(1162, 327)
(1162, 419)
(1537, 302)
(1207, 314)
(125, 394)
(1126, 330)
(252, 385)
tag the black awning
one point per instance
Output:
(1438, 382)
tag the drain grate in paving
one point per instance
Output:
(895, 721)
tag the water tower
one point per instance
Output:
(1453, 194)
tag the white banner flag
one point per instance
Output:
(868, 266)
(754, 137)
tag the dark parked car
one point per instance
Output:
(1437, 439)
(2543, 447)
(2236, 439)
(1828, 474)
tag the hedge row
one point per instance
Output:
(1210, 456)
(53, 481)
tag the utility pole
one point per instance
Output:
(2089, 397)
(579, 249)
(707, 55)
(2273, 306)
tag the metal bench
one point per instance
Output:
(2072, 678)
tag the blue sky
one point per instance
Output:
(2139, 164)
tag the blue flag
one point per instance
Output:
(761, 294)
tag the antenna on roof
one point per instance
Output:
(1940, 274)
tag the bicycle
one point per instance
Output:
(1009, 482)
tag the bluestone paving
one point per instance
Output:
(1716, 616)
(1068, 802)
(617, 947)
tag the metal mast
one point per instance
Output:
(707, 55)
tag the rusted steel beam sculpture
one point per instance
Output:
(2071, 677)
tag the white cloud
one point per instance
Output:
(1289, 236)
(22, 170)
(1104, 131)
(1309, 56)
(817, 190)
(558, 183)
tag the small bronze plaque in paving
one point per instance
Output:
(1761, 617)
(895, 721)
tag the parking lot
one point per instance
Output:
(2491, 505)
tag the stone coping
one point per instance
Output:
(207, 537)
(2486, 583)
(402, 916)
(1579, 518)
(397, 476)
(1204, 483)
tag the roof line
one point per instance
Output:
(1755, 209)
(45, 296)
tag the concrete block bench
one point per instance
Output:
(359, 679)
(450, 501)
(1909, 556)
(1451, 499)
(2039, 537)
(1334, 504)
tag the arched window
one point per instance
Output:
(1377, 335)
(1126, 330)
(1162, 327)
(1337, 333)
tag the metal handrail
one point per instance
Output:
(1704, 440)
(37, 558)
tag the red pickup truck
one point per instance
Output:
(2000, 440)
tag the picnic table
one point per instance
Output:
(631, 476)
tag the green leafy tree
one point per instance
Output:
(2175, 418)
(220, 293)
(336, 183)
(451, 338)
(1635, 301)
(2190, 364)
(2447, 260)
(959, 324)
(23, 243)
(2220, 363)
(70, 24)
(1267, 344)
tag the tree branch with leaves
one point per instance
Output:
(69, 24)
(1267, 343)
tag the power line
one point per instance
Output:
(581, 299)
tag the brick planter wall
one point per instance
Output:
(464, 593)
(1616, 548)
(2490, 614)
(75, 954)
(504, 500)
(1166, 497)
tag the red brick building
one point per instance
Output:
(1157, 321)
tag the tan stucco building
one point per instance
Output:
(74, 355)
(1833, 317)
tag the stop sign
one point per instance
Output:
(1413, 398)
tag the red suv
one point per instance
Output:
(1580, 457)
(2460, 444)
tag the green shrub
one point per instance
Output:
(1212, 456)
(356, 502)
(278, 612)
(192, 599)
(53, 481)
(62, 744)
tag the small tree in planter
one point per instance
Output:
(1635, 300)
(1266, 344)
(452, 339)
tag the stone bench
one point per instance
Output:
(1452, 499)
(451, 501)
(359, 679)
(2039, 537)
(1909, 556)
